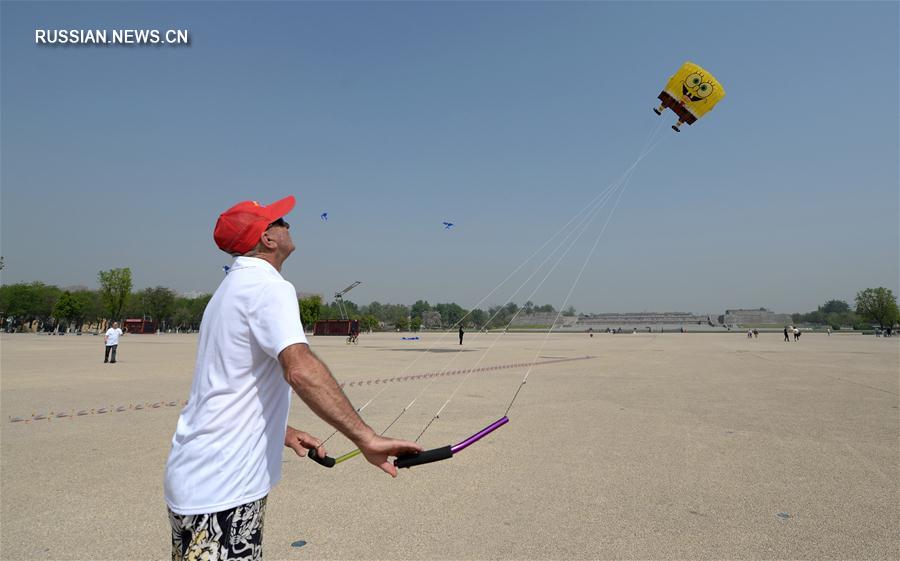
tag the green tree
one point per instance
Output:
(351, 309)
(28, 302)
(419, 308)
(499, 316)
(368, 322)
(159, 303)
(134, 306)
(310, 307)
(570, 311)
(395, 313)
(198, 306)
(115, 287)
(68, 307)
(416, 323)
(877, 305)
(835, 307)
(451, 313)
(479, 317)
(182, 317)
(91, 307)
(376, 309)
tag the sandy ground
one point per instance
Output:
(660, 447)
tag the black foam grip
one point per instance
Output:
(426, 457)
(327, 461)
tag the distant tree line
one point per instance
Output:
(58, 309)
(420, 315)
(874, 306)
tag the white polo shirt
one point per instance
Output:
(227, 447)
(112, 336)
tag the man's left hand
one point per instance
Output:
(300, 442)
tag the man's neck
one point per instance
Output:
(271, 259)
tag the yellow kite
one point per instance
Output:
(691, 93)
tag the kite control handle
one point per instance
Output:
(327, 461)
(445, 453)
(426, 457)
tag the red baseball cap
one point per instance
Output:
(239, 228)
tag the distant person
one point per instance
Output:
(353, 337)
(749, 334)
(226, 452)
(591, 331)
(786, 336)
(112, 343)
(828, 331)
(796, 334)
(756, 333)
(461, 333)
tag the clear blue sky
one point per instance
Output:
(505, 118)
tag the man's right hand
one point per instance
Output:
(376, 449)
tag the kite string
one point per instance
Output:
(500, 334)
(577, 279)
(623, 183)
(584, 222)
(599, 200)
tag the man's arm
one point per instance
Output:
(315, 385)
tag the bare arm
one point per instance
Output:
(315, 385)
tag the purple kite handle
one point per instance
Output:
(447, 452)
(480, 434)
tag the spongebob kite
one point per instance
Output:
(691, 93)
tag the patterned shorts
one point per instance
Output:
(230, 535)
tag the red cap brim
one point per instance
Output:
(280, 209)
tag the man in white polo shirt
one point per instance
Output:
(111, 342)
(227, 447)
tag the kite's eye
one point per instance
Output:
(704, 89)
(693, 80)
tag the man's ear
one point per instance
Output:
(267, 241)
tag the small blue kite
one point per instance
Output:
(448, 225)
(324, 216)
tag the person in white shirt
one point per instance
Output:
(111, 339)
(227, 449)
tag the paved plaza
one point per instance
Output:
(656, 446)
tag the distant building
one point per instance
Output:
(637, 319)
(757, 316)
(541, 318)
(136, 326)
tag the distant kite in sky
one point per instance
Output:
(324, 216)
(448, 225)
(226, 268)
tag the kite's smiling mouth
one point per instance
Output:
(689, 94)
